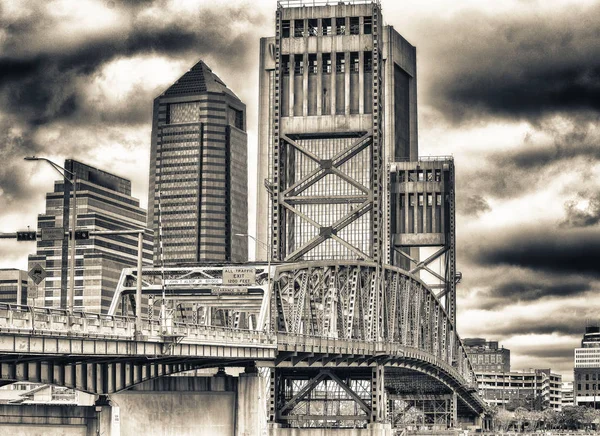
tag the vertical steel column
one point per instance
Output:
(276, 210)
(138, 289)
(378, 402)
(71, 293)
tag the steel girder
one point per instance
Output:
(95, 375)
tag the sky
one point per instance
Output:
(511, 89)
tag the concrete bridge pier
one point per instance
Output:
(250, 420)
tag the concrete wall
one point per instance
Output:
(176, 413)
(47, 420)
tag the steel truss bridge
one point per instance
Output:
(344, 343)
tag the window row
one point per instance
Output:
(327, 63)
(326, 27)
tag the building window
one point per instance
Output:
(285, 29)
(438, 175)
(340, 26)
(340, 63)
(354, 25)
(285, 65)
(429, 200)
(327, 63)
(421, 204)
(368, 59)
(298, 66)
(298, 28)
(368, 25)
(312, 27)
(326, 26)
(438, 199)
(312, 64)
(354, 62)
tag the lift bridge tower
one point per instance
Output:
(337, 111)
(337, 103)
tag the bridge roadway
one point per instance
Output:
(101, 354)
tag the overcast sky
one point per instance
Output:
(511, 89)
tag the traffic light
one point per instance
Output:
(82, 234)
(26, 236)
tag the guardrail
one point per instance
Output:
(47, 321)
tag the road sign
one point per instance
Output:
(38, 274)
(192, 282)
(229, 291)
(53, 234)
(239, 276)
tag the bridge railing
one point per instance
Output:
(49, 321)
(58, 321)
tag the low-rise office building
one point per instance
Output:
(535, 389)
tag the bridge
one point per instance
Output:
(342, 344)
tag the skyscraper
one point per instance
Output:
(337, 103)
(586, 385)
(13, 286)
(104, 202)
(198, 191)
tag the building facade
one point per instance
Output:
(104, 202)
(486, 356)
(13, 286)
(198, 190)
(586, 382)
(337, 103)
(567, 394)
(535, 389)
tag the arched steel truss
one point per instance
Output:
(362, 301)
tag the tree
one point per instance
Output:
(521, 415)
(503, 419)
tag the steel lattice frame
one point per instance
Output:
(287, 192)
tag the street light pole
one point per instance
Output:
(268, 296)
(73, 180)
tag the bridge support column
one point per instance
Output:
(378, 400)
(250, 399)
(108, 419)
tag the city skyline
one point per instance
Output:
(510, 90)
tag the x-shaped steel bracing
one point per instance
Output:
(291, 196)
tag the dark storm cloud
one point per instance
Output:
(573, 252)
(530, 287)
(15, 145)
(46, 86)
(517, 66)
(589, 215)
(554, 147)
(473, 205)
(550, 353)
(559, 319)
